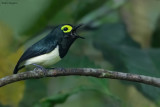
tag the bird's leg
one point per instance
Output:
(40, 67)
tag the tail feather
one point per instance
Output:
(17, 68)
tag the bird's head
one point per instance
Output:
(69, 31)
(67, 37)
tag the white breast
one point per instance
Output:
(45, 59)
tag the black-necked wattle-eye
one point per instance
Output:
(50, 49)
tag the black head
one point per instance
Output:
(69, 36)
(69, 31)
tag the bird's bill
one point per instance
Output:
(80, 37)
(75, 29)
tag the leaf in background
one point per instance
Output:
(129, 94)
(35, 90)
(75, 61)
(62, 97)
(145, 62)
(4, 106)
(109, 38)
(6, 36)
(156, 35)
(126, 55)
(140, 17)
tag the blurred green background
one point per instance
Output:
(121, 35)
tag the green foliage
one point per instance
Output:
(85, 7)
(35, 90)
(127, 56)
(61, 97)
(156, 36)
(49, 13)
(73, 61)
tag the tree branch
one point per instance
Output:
(99, 73)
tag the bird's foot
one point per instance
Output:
(41, 68)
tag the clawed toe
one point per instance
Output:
(38, 67)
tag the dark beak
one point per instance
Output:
(74, 31)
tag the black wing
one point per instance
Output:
(43, 46)
(40, 48)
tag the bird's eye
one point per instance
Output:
(66, 28)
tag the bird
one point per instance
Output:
(50, 49)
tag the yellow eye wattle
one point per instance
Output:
(66, 28)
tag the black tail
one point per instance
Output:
(17, 68)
